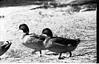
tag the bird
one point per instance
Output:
(4, 47)
(59, 44)
(32, 40)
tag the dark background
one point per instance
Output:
(39, 2)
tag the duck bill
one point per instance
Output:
(19, 31)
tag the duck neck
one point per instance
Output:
(50, 35)
(26, 33)
(46, 41)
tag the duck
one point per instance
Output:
(5, 45)
(59, 44)
(32, 40)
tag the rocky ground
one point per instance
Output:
(62, 22)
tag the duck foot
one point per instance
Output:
(41, 56)
(33, 52)
(40, 53)
(61, 58)
(70, 54)
(55, 53)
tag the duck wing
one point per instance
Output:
(33, 42)
(41, 37)
(63, 41)
(35, 36)
(58, 44)
(72, 42)
(58, 41)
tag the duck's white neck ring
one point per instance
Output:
(46, 41)
(24, 35)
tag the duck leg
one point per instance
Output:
(40, 53)
(70, 54)
(34, 51)
(60, 56)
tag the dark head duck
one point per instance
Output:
(25, 28)
(32, 40)
(47, 32)
(59, 44)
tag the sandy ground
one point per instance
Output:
(75, 25)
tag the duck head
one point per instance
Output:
(47, 32)
(5, 47)
(24, 28)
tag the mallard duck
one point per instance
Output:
(32, 40)
(4, 47)
(58, 44)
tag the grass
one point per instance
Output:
(69, 25)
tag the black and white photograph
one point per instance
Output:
(48, 31)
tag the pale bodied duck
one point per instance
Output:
(4, 46)
(32, 41)
(58, 44)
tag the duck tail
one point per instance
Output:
(86, 40)
(78, 40)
